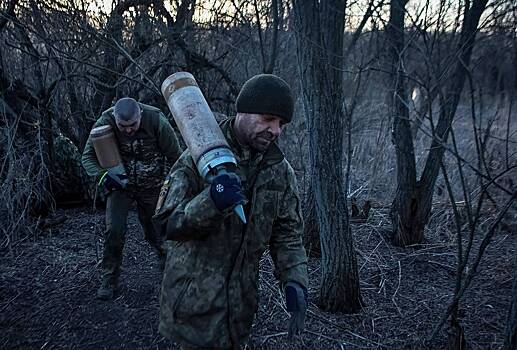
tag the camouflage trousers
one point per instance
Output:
(117, 208)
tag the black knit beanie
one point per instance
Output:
(266, 94)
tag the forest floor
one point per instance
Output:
(48, 285)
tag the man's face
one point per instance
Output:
(128, 127)
(258, 131)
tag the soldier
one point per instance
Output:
(70, 183)
(209, 292)
(148, 147)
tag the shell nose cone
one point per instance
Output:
(239, 210)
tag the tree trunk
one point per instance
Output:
(311, 237)
(194, 61)
(320, 27)
(270, 66)
(106, 91)
(510, 335)
(412, 204)
(405, 219)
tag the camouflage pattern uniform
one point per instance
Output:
(69, 180)
(147, 156)
(209, 292)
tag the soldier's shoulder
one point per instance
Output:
(108, 113)
(285, 163)
(184, 169)
(277, 158)
(220, 117)
(106, 118)
(151, 117)
(148, 109)
(186, 157)
(185, 161)
(286, 172)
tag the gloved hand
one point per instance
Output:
(296, 303)
(111, 181)
(226, 191)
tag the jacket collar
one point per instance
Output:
(271, 156)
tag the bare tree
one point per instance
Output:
(402, 209)
(320, 27)
(113, 64)
(268, 63)
(412, 203)
(23, 169)
(470, 220)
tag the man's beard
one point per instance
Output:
(263, 140)
(266, 135)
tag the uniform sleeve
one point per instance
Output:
(167, 140)
(285, 244)
(89, 158)
(188, 212)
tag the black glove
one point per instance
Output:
(111, 181)
(226, 191)
(296, 303)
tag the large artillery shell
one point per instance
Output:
(105, 145)
(192, 114)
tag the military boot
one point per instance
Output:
(107, 290)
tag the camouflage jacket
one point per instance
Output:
(209, 292)
(147, 156)
(69, 179)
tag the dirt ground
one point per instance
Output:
(48, 284)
